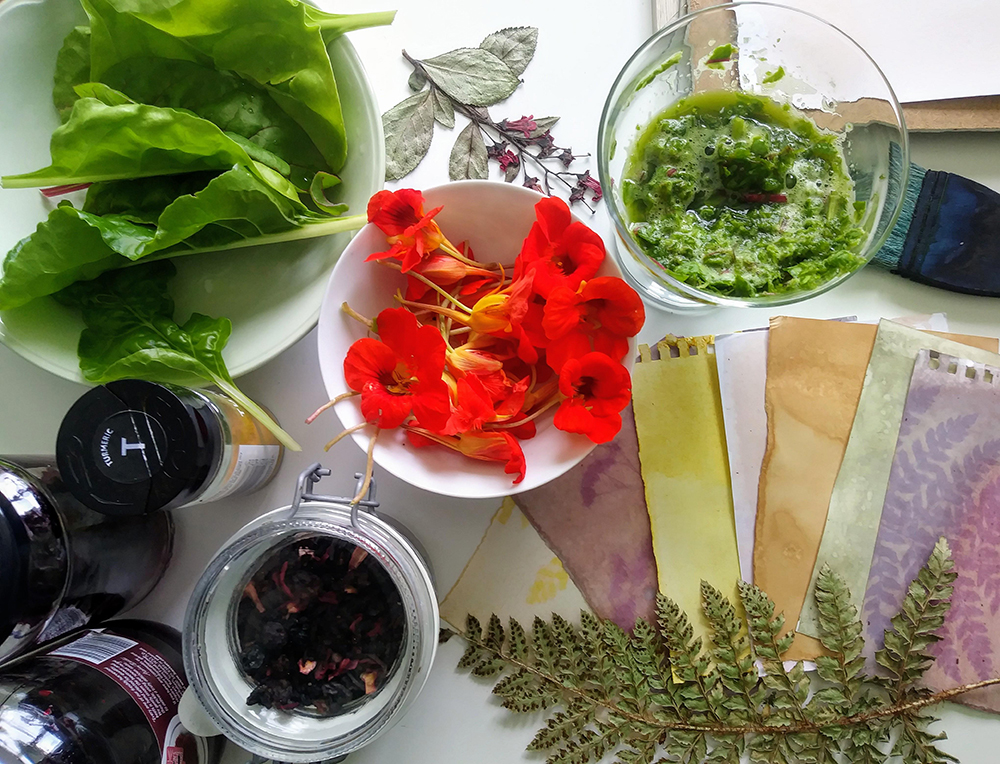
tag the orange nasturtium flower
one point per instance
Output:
(399, 373)
(601, 303)
(492, 446)
(596, 389)
(412, 234)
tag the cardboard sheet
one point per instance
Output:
(855, 505)
(513, 574)
(682, 450)
(594, 518)
(945, 481)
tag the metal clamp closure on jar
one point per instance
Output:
(216, 702)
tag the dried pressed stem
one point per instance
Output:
(344, 434)
(896, 709)
(370, 323)
(330, 404)
(369, 468)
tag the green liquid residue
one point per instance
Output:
(737, 195)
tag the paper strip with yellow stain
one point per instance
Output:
(513, 574)
(685, 467)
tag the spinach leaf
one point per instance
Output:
(72, 68)
(130, 140)
(131, 333)
(277, 44)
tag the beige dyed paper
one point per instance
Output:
(815, 371)
(513, 574)
(682, 453)
(855, 507)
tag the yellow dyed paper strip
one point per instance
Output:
(513, 574)
(685, 468)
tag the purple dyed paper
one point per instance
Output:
(945, 481)
(594, 519)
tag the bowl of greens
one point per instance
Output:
(179, 179)
(751, 155)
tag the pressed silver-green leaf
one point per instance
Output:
(444, 110)
(468, 157)
(416, 81)
(515, 46)
(472, 76)
(409, 128)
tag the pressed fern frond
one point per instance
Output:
(656, 695)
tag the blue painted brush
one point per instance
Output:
(947, 235)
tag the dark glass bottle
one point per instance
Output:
(63, 565)
(101, 697)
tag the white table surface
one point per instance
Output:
(582, 45)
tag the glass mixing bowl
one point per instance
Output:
(827, 77)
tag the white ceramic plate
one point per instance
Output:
(272, 294)
(494, 218)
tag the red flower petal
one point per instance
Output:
(395, 211)
(574, 345)
(573, 416)
(382, 408)
(432, 403)
(367, 360)
(563, 312)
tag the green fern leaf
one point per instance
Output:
(518, 640)
(913, 629)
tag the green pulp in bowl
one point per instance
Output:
(740, 196)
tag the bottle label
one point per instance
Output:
(252, 467)
(149, 680)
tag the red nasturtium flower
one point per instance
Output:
(399, 373)
(559, 250)
(596, 389)
(601, 303)
(412, 234)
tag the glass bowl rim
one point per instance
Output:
(699, 296)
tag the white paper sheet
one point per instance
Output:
(928, 49)
(742, 363)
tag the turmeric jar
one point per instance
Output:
(134, 447)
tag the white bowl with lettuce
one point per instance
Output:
(210, 133)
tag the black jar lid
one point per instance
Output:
(132, 447)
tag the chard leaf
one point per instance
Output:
(468, 157)
(72, 68)
(130, 333)
(69, 246)
(232, 210)
(444, 110)
(409, 128)
(101, 142)
(317, 190)
(515, 46)
(279, 45)
(142, 200)
(472, 76)
(232, 103)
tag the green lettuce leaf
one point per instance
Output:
(277, 44)
(131, 333)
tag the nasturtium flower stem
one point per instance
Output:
(557, 399)
(358, 317)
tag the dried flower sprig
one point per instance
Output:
(657, 693)
(466, 81)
